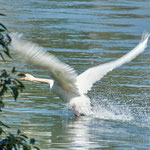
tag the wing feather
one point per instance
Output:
(62, 73)
(86, 80)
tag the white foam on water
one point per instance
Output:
(111, 111)
(107, 109)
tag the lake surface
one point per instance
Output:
(83, 34)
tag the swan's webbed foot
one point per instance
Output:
(76, 113)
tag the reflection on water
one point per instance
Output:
(83, 34)
(92, 133)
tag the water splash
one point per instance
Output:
(111, 111)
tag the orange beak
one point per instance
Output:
(23, 78)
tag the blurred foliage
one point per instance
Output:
(4, 40)
(10, 84)
(15, 141)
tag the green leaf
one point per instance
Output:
(2, 14)
(3, 26)
(23, 135)
(14, 92)
(1, 131)
(26, 147)
(2, 124)
(8, 81)
(2, 30)
(4, 45)
(2, 56)
(4, 74)
(13, 70)
(12, 136)
(7, 51)
(3, 90)
(21, 74)
(18, 132)
(32, 141)
(21, 139)
(20, 84)
(1, 104)
(36, 147)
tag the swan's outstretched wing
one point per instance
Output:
(63, 74)
(90, 76)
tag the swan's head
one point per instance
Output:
(28, 77)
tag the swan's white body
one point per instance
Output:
(66, 83)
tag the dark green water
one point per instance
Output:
(83, 34)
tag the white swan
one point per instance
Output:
(66, 83)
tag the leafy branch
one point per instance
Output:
(15, 141)
(9, 83)
(4, 39)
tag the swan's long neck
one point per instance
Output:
(43, 80)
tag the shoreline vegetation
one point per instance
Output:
(10, 84)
